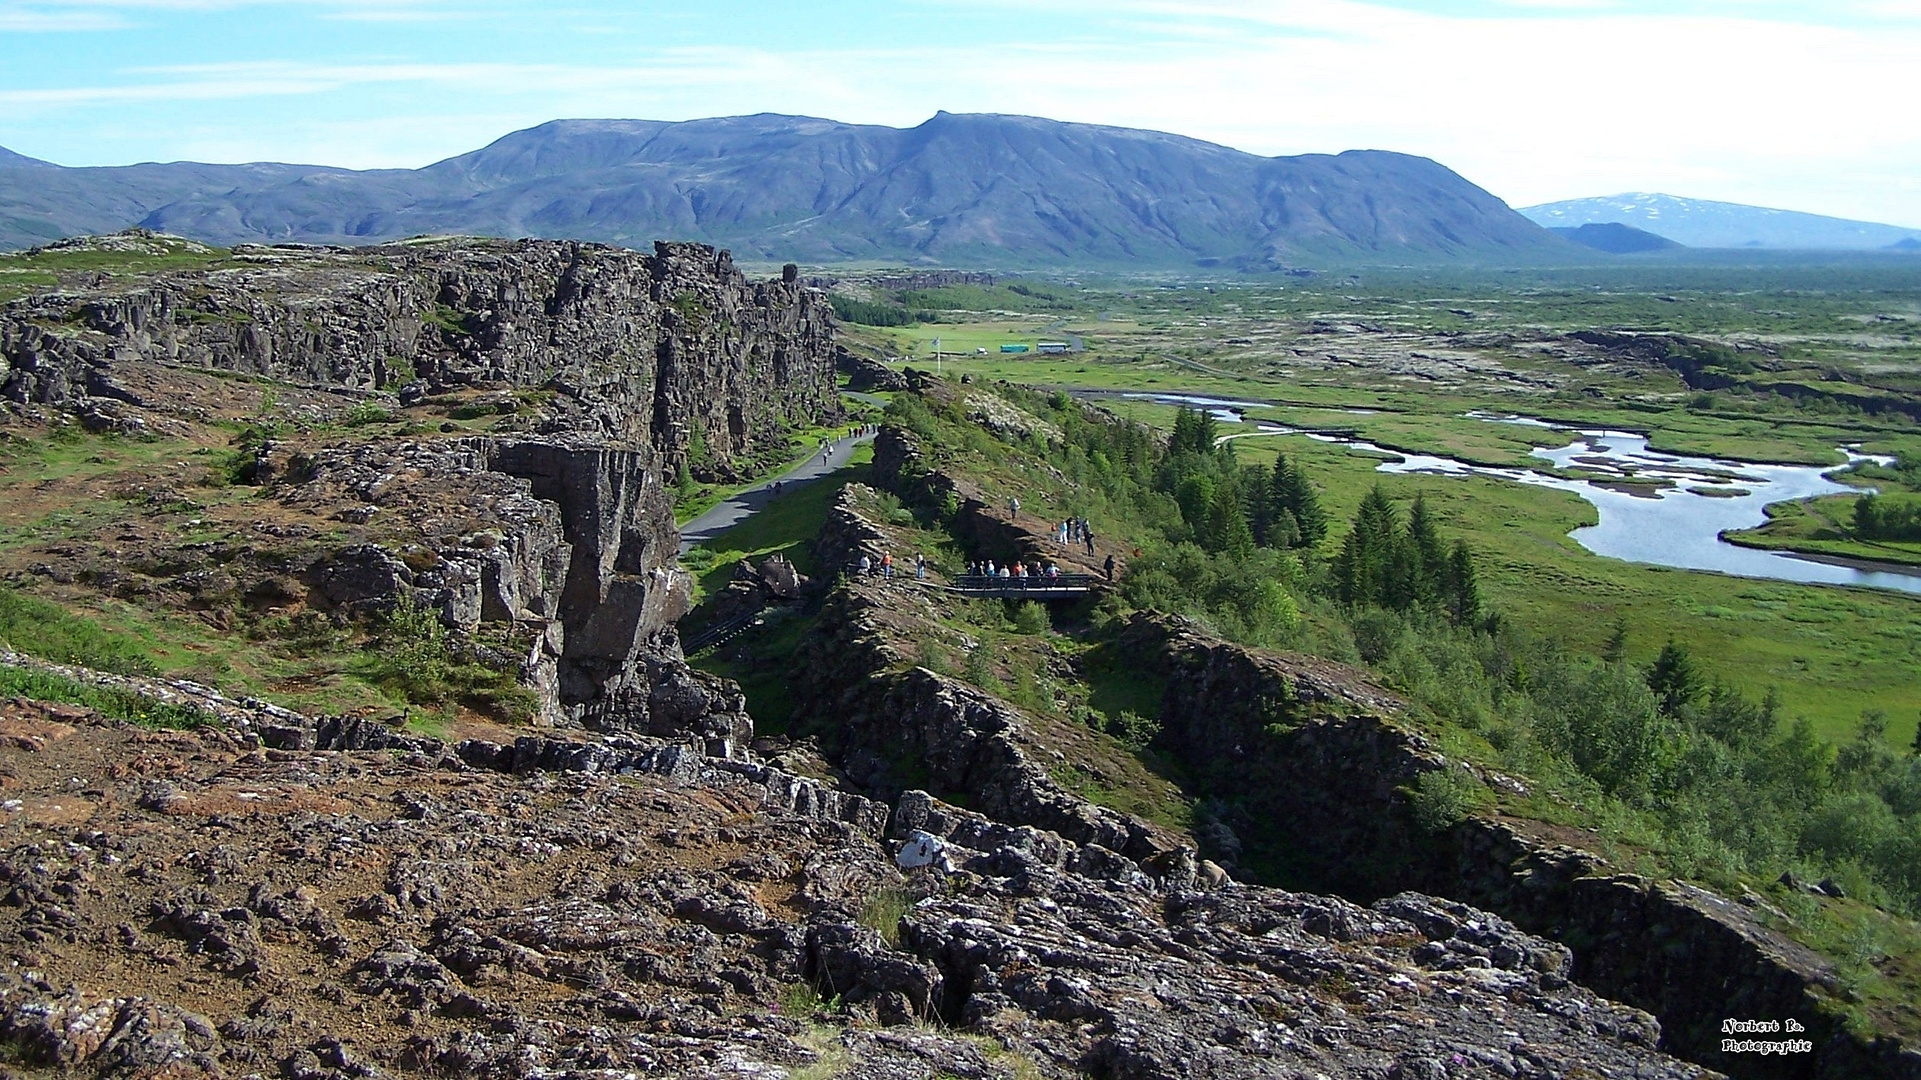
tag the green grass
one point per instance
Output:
(787, 526)
(39, 628)
(29, 271)
(1831, 652)
(1820, 526)
(117, 704)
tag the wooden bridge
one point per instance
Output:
(1032, 587)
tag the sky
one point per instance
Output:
(1812, 106)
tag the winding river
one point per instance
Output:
(1678, 525)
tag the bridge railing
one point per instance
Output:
(1041, 584)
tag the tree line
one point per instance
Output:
(1879, 518)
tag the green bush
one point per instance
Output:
(1029, 617)
(412, 657)
(365, 413)
(1441, 799)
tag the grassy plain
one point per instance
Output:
(1401, 358)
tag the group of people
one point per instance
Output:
(884, 566)
(1075, 531)
(1018, 571)
(860, 431)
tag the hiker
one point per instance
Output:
(1109, 566)
(866, 565)
(1013, 507)
(920, 566)
(1090, 543)
(887, 565)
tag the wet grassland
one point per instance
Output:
(1745, 363)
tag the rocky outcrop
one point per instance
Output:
(199, 905)
(1312, 770)
(675, 349)
(893, 725)
(983, 525)
(864, 373)
(555, 534)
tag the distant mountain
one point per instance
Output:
(997, 190)
(11, 160)
(1616, 239)
(1705, 224)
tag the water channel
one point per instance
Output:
(1677, 525)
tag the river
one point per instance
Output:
(1678, 525)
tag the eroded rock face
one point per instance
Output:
(619, 370)
(1314, 767)
(648, 348)
(889, 721)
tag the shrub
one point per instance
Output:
(365, 413)
(1441, 799)
(1029, 617)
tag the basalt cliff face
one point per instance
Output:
(577, 381)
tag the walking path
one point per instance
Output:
(743, 505)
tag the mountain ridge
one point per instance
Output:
(1707, 223)
(958, 187)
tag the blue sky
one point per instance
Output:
(1800, 105)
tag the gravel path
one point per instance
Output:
(747, 503)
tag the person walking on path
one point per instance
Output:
(1090, 543)
(887, 565)
(1108, 566)
(866, 565)
(920, 566)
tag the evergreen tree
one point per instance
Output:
(1225, 530)
(1427, 556)
(1616, 649)
(1292, 492)
(1364, 570)
(1674, 678)
(1257, 497)
(1462, 592)
(1194, 432)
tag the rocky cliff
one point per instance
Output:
(571, 382)
(675, 350)
(1315, 769)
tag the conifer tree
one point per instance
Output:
(1292, 492)
(1463, 592)
(1428, 555)
(1674, 678)
(1616, 650)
